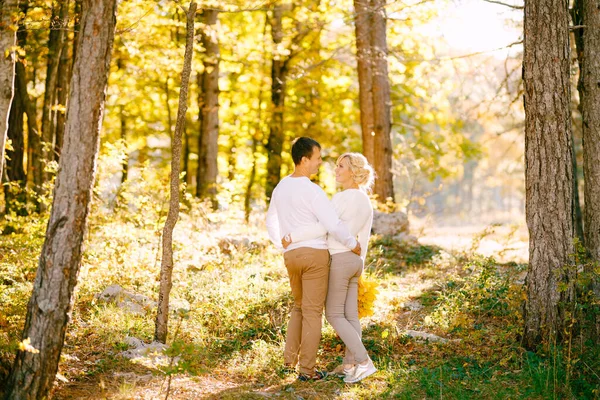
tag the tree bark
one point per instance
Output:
(548, 170)
(209, 111)
(8, 40)
(166, 267)
(590, 111)
(51, 302)
(278, 88)
(374, 92)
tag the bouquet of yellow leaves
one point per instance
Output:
(367, 293)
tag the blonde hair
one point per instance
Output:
(362, 172)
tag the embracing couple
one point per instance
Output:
(323, 257)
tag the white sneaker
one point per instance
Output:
(360, 372)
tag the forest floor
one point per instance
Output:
(463, 283)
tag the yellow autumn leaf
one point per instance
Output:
(25, 345)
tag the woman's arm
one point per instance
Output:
(364, 234)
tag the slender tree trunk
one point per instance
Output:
(186, 156)
(168, 107)
(125, 163)
(374, 92)
(8, 39)
(62, 87)
(590, 111)
(14, 158)
(278, 88)
(166, 268)
(209, 111)
(51, 302)
(55, 44)
(548, 170)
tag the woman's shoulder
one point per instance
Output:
(354, 195)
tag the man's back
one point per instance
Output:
(295, 201)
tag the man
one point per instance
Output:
(297, 202)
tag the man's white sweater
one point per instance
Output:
(354, 209)
(299, 203)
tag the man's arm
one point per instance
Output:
(273, 224)
(327, 216)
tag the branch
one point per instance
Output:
(505, 4)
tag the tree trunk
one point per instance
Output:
(374, 92)
(62, 89)
(278, 87)
(8, 40)
(55, 45)
(362, 26)
(125, 163)
(51, 302)
(590, 111)
(576, 16)
(16, 133)
(166, 267)
(28, 105)
(209, 111)
(548, 170)
(14, 159)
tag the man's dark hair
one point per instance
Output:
(303, 147)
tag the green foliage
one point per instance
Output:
(482, 290)
(391, 256)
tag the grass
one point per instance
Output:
(230, 344)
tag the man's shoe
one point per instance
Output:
(288, 369)
(316, 376)
(361, 372)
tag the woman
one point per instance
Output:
(354, 208)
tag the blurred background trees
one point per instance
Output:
(265, 73)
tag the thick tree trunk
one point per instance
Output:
(590, 111)
(166, 267)
(209, 111)
(51, 302)
(362, 26)
(374, 92)
(384, 185)
(8, 40)
(278, 88)
(548, 169)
